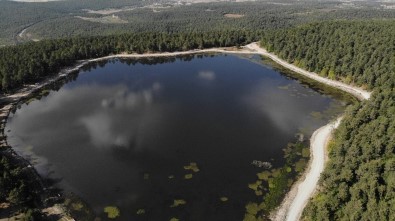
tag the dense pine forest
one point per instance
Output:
(31, 62)
(21, 22)
(359, 180)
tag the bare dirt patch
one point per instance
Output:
(112, 19)
(233, 15)
(108, 11)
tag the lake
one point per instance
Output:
(169, 138)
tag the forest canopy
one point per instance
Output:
(358, 183)
(359, 180)
(30, 62)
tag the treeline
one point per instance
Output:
(360, 53)
(31, 62)
(57, 19)
(358, 182)
(18, 188)
(206, 17)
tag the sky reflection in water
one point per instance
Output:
(103, 133)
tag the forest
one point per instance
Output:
(72, 18)
(33, 61)
(359, 180)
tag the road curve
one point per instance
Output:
(297, 198)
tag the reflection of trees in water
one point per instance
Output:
(146, 60)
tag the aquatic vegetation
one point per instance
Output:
(264, 175)
(285, 87)
(276, 172)
(77, 206)
(300, 165)
(192, 166)
(278, 180)
(277, 188)
(224, 199)
(317, 115)
(294, 151)
(112, 212)
(306, 152)
(258, 163)
(174, 219)
(255, 186)
(252, 208)
(178, 202)
(140, 211)
(31, 100)
(188, 176)
(249, 217)
(44, 92)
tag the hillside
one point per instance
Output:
(22, 21)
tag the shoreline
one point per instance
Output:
(294, 201)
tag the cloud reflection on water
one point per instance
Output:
(280, 106)
(207, 75)
(101, 112)
(107, 129)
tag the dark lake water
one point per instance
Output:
(121, 134)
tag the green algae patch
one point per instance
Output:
(188, 176)
(178, 202)
(192, 166)
(300, 165)
(305, 152)
(224, 199)
(44, 92)
(285, 87)
(77, 206)
(252, 208)
(112, 212)
(276, 172)
(263, 175)
(140, 212)
(174, 219)
(317, 115)
(31, 100)
(249, 217)
(272, 185)
(255, 186)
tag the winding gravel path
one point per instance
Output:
(297, 198)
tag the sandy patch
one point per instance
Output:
(108, 11)
(112, 19)
(233, 15)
